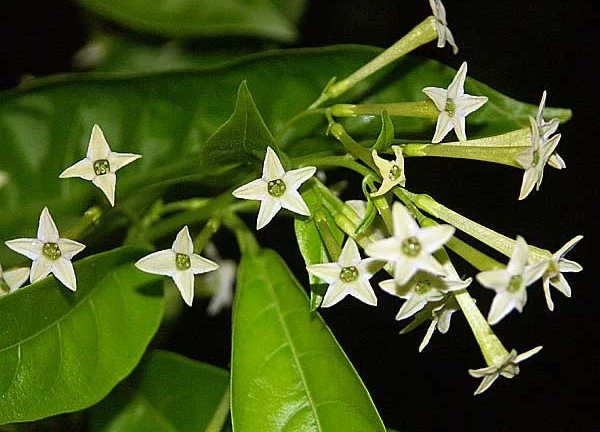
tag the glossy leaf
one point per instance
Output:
(63, 351)
(195, 18)
(242, 139)
(288, 372)
(167, 392)
(168, 117)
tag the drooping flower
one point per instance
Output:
(534, 159)
(179, 263)
(454, 106)
(49, 252)
(392, 172)
(410, 248)
(510, 283)
(441, 25)
(557, 265)
(100, 164)
(421, 289)
(547, 128)
(276, 188)
(11, 280)
(508, 367)
(348, 276)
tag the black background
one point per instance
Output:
(518, 48)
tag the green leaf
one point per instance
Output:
(288, 372)
(199, 18)
(168, 117)
(63, 351)
(167, 392)
(242, 139)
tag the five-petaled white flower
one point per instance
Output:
(349, 275)
(392, 172)
(454, 105)
(49, 252)
(534, 159)
(179, 263)
(511, 283)
(508, 367)
(441, 25)
(276, 188)
(547, 128)
(100, 164)
(557, 264)
(421, 289)
(410, 246)
(11, 280)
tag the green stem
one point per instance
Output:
(345, 161)
(499, 155)
(333, 248)
(245, 238)
(90, 219)
(351, 146)
(421, 109)
(210, 229)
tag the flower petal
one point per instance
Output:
(292, 200)
(502, 304)
(404, 224)
(69, 248)
(336, 292)
(329, 272)
(434, 237)
(411, 306)
(294, 178)
(267, 211)
(47, 231)
(183, 242)
(40, 268)
(16, 277)
(84, 169)
(200, 264)
(161, 262)
(350, 255)
(64, 272)
(184, 280)
(438, 95)
(443, 126)
(119, 160)
(106, 183)
(97, 147)
(31, 248)
(255, 190)
(362, 290)
(272, 168)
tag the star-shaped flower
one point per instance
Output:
(534, 159)
(411, 246)
(441, 25)
(547, 128)
(454, 106)
(100, 164)
(421, 289)
(179, 263)
(276, 188)
(11, 280)
(392, 172)
(348, 276)
(49, 252)
(510, 283)
(557, 265)
(508, 367)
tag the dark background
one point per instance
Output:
(518, 48)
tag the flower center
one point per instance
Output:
(422, 286)
(515, 283)
(450, 107)
(182, 261)
(349, 274)
(101, 166)
(411, 246)
(536, 158)
(276, 187)
(394, 173)
(51, 251)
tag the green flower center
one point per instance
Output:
(536, 158)
(515, 283)
(395, 172)
(101, 166)
(182, 261)
(51, 251)
(349, 274)
(276, 187)
(411, 246)
(450, 107)
(422, 286)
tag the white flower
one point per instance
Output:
(220, 281)
(556, 266)
(510, 283)
(547, 128)
(454, 105)
(179, 263)
(392, 172)
(276, 189)
(11, 280)
(411, 246)
(508, 367)
(49, 252)
(421, 289)
(441, 25)
(348, 276)
(535, 158)
(100, 164)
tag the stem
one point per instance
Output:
(345, 161)
(422, 109)
(245, 238)
(333, 248)
(351, 146)
(90, 219)
(210, 229)
(499, 155)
